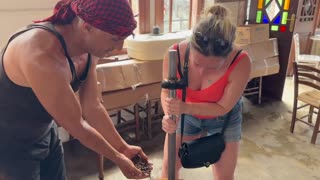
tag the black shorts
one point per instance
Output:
(43, 160)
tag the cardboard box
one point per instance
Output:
(261, 50)
(128, 74)
(252, 33)
(265, 67)
(122, 98)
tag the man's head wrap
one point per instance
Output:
(112, 16)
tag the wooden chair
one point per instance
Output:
(154, 113)
(308, 76)
(308, 59)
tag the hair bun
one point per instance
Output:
(215, 33)
(217, 10)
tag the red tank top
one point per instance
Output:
(214, 92)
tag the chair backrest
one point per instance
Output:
(296, 45)
(306, 75)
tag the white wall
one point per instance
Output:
(15, 14)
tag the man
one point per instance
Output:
(41, 68)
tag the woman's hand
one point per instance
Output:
(175, 106)
(169, 125)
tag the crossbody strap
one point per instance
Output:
(185, 79)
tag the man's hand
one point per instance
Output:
(128, 168)
(134, 151)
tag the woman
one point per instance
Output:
(41, 69)
(217, 76)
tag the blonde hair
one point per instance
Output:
(215, 33)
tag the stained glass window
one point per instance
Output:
(274, 28)
(267, 1)
(272, 10)
(275, 12)
(265, 19)
(286, 5)
(260, 4)
(259, 14)
(277, 20)
(284, 18)
(283, 28)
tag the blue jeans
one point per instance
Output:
(194, 126)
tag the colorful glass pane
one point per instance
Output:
(280, 2)
(258, 18)
(284, 18)
(272, 10)
(283, 28)
(267, 1)
(265, 19)
(277, 20)
(286, 4)
(260, 3)
(274, 28)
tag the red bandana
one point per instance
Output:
(112, 16)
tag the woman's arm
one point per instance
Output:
(165, 92)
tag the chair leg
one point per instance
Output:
(156, 107)
(100, 166)
(315, 130)
(294, 113)
(137, 119)
(148, 109)
(310, 114)
(260, 90)
(119, 117)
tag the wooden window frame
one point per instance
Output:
(144, 16)
(196, 10)
(196, 7)
(159, 15)
(144, 26)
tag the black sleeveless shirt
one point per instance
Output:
(23, 120)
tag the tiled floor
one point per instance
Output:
(268, 151)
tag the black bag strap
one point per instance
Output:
(235, 57)
(185, 79)
(179, 63)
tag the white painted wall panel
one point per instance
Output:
(12, 21)
(26, 4)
